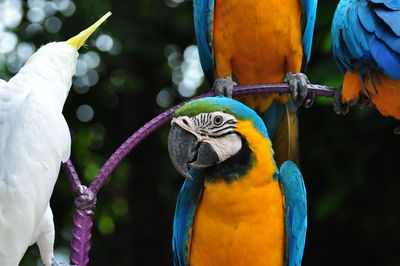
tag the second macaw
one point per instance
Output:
(259, 41)
(366, 46)
(235, 207)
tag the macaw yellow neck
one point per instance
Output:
(241, 223)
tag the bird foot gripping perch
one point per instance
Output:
(340, 107)
(224, 87)
(298, 89)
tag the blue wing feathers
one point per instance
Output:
(203, 19)
(391, 4)
(391, 40)
(359, 33)
(366, 17)
(295, 212)
(309, 10)
(210, 18)
(390, 18)
(185, 210)
(366, 36)
(342, 57)
(385, 58)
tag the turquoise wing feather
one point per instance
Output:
(309, 13)
(366, 36)
(185, 210)
(295, 212)
(203, 24)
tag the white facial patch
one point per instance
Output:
(226, 146)
(217, 129)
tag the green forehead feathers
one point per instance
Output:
(194, 108)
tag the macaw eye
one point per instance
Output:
(218, 120)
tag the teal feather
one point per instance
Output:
(203, 20)
(309, 11)
(185, 210)
(295, 212)
(366, 36)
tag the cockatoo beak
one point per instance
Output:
(80, 39)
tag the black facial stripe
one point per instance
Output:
(203, 118)
(205, 126)
(222, 135)
(222, 129)
(224, 125)
(209, 122)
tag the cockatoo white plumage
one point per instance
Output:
(34, 140)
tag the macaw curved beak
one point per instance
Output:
(186, 151)
(79, 40)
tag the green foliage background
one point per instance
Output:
(350, 163)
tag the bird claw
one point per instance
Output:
(340, 107)
(223, 87)
(396, 130)
(309, 100)
(299, 90)
(85, 200)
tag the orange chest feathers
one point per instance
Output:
(242, 222)
(239, 229)
(259, 41)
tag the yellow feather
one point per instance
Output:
(241, 223)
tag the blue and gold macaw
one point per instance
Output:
(366, 47)
(259, 41)
(235, 207)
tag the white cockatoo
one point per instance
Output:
(34, 140)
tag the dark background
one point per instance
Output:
(350, 163)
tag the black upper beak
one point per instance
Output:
(186, 151)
